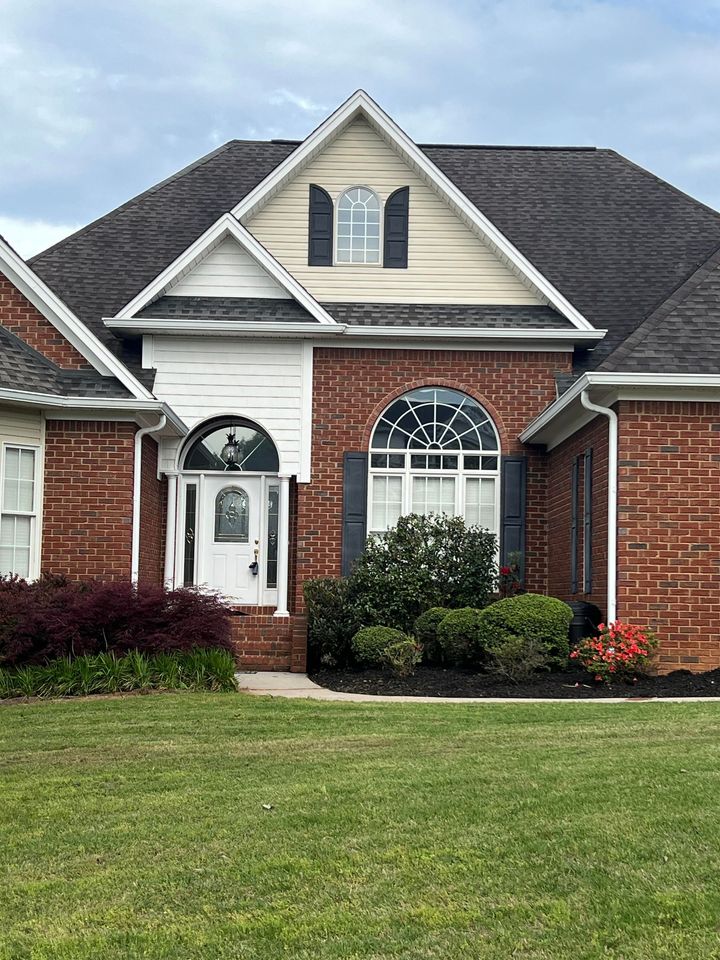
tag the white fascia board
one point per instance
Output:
(64, 320)
(558, 338)
(108, 408)
(232, 328)
(552, 425)
(361, 103)
(227, 225)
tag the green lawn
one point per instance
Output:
(135, 828)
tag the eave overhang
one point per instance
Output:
(142, 412)
(137, 326)
(566, 415)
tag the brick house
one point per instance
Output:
(233, 377)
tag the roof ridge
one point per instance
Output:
(679, 293)
(154, 188)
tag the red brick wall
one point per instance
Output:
(559, 501)
(19, 316)
(350, 389)
(87, 505)
(669, 527)
(153, 499)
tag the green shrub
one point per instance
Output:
(517, 658)
(543, 620)
(403, 656)
(332, 622)
(204, 668)
(422, 562)
(426, 630)
(458, 636)
(370, 644)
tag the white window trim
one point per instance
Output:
(407, 473)
(381, 227)
(38, 485)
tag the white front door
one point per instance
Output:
(232, 533)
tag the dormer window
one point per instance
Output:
(358, 227)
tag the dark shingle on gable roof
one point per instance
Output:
(614, 239)
(447, 315)
(23, 368)
(682, 335)
(255, 309)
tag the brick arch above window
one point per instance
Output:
(436, 382)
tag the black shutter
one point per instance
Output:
(320, 228)
(354, 529)
(574, 494)
(395, 247)
(513, 484)
(587, 523)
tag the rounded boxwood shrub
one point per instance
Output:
(543, 622)
(458, 636)
(369, 645)
(426, 632)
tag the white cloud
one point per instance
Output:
(29, 237)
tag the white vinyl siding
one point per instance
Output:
(263, 380)
(447, 262)
(20, 492)
(227, 271)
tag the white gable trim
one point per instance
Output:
(65, 321)
(226, 226)
(360, 103)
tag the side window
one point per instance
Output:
(18, 507)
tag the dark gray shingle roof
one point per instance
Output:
(682, 335)
(23, 368)
(447, 315)
(614, 239)
(260, 310)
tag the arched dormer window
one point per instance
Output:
(358, 227)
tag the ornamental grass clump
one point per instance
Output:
(620, 652)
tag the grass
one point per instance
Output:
(136, 827)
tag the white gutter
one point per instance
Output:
(112, 407)
(191, 327)
(611, 501)
(137, 484)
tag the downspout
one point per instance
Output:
(611, 501)
(137, 483)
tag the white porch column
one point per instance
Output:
(170, 529)
(283, 547)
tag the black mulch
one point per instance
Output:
(436, 682)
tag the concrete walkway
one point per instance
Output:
(300, 686)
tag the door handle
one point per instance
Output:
(254, 566)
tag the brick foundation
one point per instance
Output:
(265, 642)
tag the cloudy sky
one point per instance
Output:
(101, 99)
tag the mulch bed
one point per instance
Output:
(437, 682)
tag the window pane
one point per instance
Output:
(480, 502)
(189, 544)
(433, 495)
(231, 516)
(255, 449)
(271, 564)
(15, 545)
(18, 488)
(386, 502)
